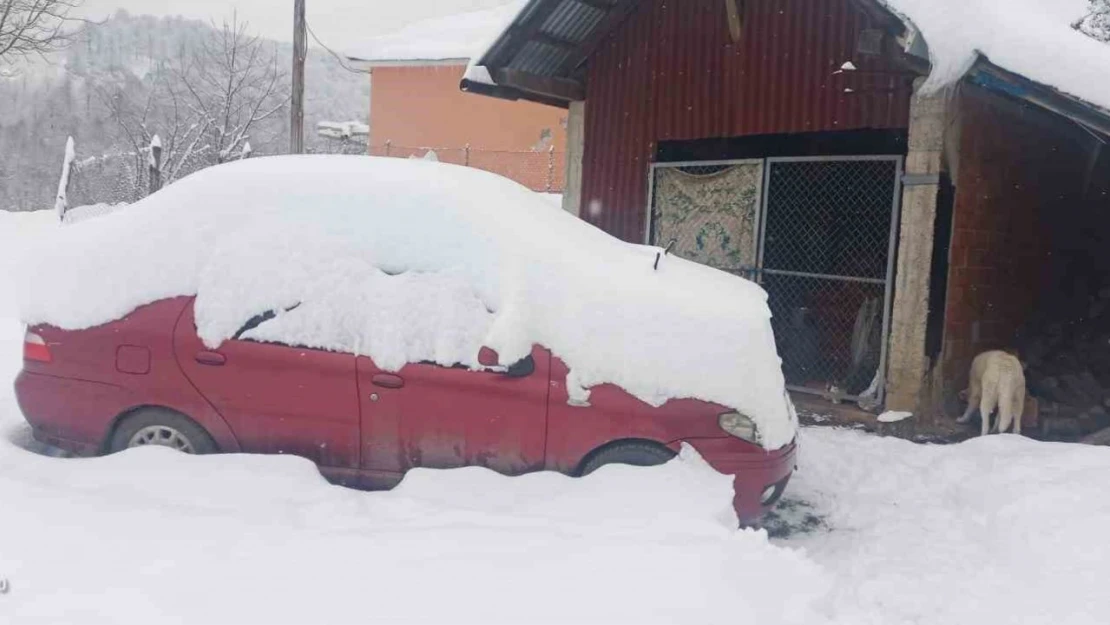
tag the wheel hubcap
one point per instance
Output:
(162, 436)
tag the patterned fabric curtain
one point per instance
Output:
(711, 216)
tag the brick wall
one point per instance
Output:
(1019, 186)
(420, 106)
(414, 109)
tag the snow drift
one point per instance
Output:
(998, 529)
(453, 37)
(1034, 38)
(408, 261)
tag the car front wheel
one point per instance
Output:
(635, 453)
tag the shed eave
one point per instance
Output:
(988, 75)
(510, 93)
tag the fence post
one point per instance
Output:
(154, 164)
(61, 201)
(388, 145)
(466, 155)
(550, 168)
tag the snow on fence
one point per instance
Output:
(121, 177)
(539, 170)
(126, 177)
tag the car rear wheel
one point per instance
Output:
(162, 428)
(635, 453)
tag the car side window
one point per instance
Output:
(258, 320)
(253, 323)
(520, 369)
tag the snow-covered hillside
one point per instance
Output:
(44, 101)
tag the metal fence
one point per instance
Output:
(539, 170)
(122, 177)
(818, 233)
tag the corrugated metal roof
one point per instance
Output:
(540, 59)
(573, 21)
(582, 23)
(522, 46)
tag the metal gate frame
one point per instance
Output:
(892, 245)
(761, 229)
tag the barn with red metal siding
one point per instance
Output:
(786, 141)
(672, 73)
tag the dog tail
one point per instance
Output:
(1011, 401)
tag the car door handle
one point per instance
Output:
(212, 359)
(387, 380)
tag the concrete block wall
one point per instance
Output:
(907, 366)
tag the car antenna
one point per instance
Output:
(658, 255)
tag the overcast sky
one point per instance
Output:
(338, 23)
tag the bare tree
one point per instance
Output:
(232, 83)
(34, 26)
(165, 110)
(203, 106)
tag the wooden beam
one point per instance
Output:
(735, 19)
(617, 14)
(883, 17)
(559, 88)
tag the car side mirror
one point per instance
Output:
(520, 369)
(488, 357)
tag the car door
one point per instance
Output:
(426, 415)
(278, 399)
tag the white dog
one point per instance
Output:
(996, 380)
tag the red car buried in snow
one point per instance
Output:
(337, 308)
(147, 379)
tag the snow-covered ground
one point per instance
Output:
(997, 530)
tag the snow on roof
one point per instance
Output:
(1033, 38)
(342, 130)
(408, 261)
(454, 37)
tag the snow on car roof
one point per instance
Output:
(453, 37)
(1034, 38)
(409, 261)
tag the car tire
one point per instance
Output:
(635, 453)
(161, 427)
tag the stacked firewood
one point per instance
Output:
(1067, 366)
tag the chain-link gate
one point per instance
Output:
(818, 233)
(827, 264)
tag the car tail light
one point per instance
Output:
(35, 348)
(739, 426)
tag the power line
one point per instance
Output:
(338, 58)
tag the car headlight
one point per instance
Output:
(739, 426)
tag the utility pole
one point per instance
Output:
(300, 50)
